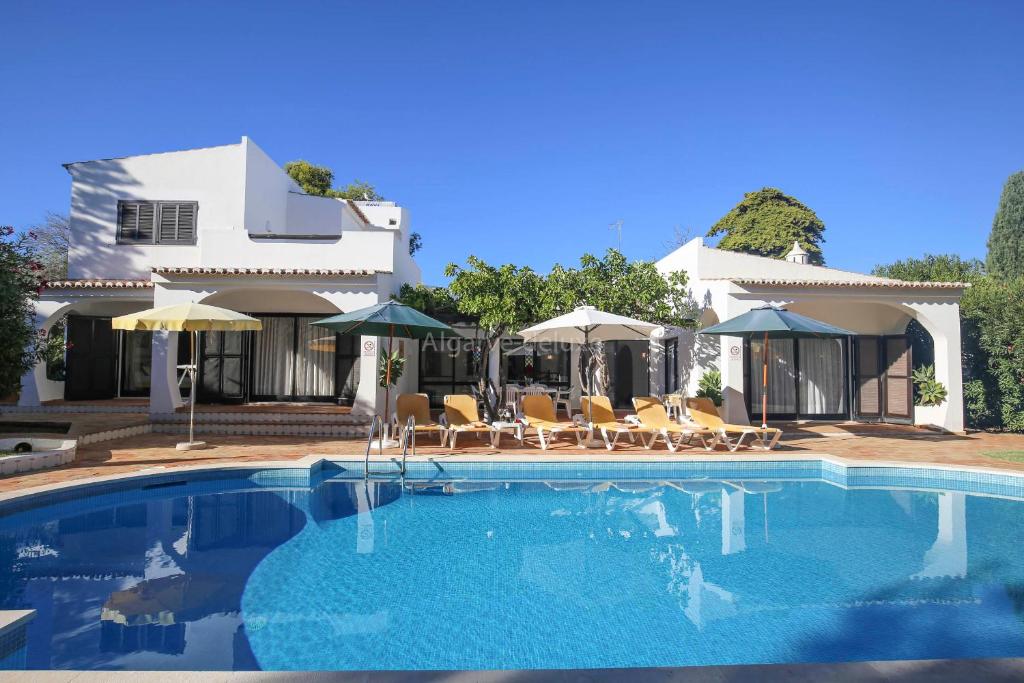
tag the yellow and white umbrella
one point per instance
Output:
(194, 318)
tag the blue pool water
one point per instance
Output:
(335, 573)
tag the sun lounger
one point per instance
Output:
(539, 413)
(598, 411)
(462, 415)
(416, 406)
(703, 412)
(653, 417)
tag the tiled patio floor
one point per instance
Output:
(854, 442)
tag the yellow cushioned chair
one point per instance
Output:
(598, 411)
(539, 413)
(416, 406)
(653, 416)
(703, 412)
(461, 413)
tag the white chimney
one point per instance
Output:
(797, 254)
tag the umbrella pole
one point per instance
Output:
(764, 384)
(590, 372)
(387, 380)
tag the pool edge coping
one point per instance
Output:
(315, 460)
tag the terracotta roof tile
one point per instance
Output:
(99, 284)
(266, 272)
(872, 282)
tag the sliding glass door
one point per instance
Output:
(807, 378)
(292, 360)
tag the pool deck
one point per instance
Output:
(950, 670)
(849, 442)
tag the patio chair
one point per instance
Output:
(462, 416)
(562, 398)
(602, 418)
(673, 406)
(539, 413)
(704, 413)
(654, 417)
(418, 407)
(512, 394)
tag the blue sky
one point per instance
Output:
(520, 131)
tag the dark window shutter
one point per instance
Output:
(147, 222)
(137, 221)
(177, 222)
(129, 221)
(186, 222)
(168, 223)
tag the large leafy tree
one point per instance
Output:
(767, 222)
(502, 300)
(617, 285)
(991, 335)
(1006, 241)
(20, 283)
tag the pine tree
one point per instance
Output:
(767, 222)
(1006, 242)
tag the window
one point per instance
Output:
(156, 222)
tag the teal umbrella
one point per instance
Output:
(390, 319)
(778, 323)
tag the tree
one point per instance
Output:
(437, 302)
(767, 222)
(933, 268)
(502, 300)
(20, 283)
(415, 243)
(614, 284)
(317, 180)
(51, 241)
(311, 178)
(1006, 241)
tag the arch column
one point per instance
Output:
(942, 320)
(35, 386)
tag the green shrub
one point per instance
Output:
(710, 386)
(928, 391)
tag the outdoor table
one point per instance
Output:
(516, 428)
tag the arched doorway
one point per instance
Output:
(623, 376)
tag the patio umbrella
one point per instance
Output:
(390, 319)
(194, 318)
(773, 322)
(586, 324)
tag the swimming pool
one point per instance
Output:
(516, 566)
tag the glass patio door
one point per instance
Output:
(293, 360)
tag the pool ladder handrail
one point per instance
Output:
(377, 427)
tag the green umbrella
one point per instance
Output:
(772, 321)
(390, 319)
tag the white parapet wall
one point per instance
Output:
(45, 453)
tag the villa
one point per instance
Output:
(227, 226)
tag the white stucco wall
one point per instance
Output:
(266, 189)
(212, 177)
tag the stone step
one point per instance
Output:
(261, 418)
(341, 431)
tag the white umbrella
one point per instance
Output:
(586, 324)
